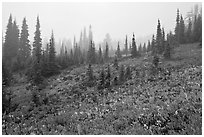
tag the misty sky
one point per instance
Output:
(117, 19)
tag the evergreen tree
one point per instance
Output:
(93, 53)
(8, 46)
(181, 31)
(37, 44)
(163, 40)
(134, 48)
(177, 28)
(197, 29)
(121, 74)
(11, 45)
(24, 46)
(159, 39)
(36, 74)
(52, 56)
(126, 46)
(89, 54)
(100, 55)
(153, 46)
(189, 32)
(106, 54)
(118, 53)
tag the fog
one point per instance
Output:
(118, 19)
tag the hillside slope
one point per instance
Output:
(169, 102)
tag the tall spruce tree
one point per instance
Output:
(36, 75)
(197, 28)
(8, 46)
(163, 40)
(153, 46)
(100, 55)
(181, 31)
(177, 28)
(24, 46)
(189, 32)
(52, 56)
(15, 41)
(159, 39)
(37, 44)
(118, 53)
(134, 48)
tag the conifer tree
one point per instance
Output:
(153, 45)
(8, 46)
(15, 38)
(181, 31)
(11, 45)
(163, 40)
(159, 39)
(93, 53)
(36, 75)
(89, 53)
(52, 56)
(24, 46)
(197, 29)
(189, 32)
(134, 48)
(37, 44)
(100, 55)
(177, 28)
(118, 53)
